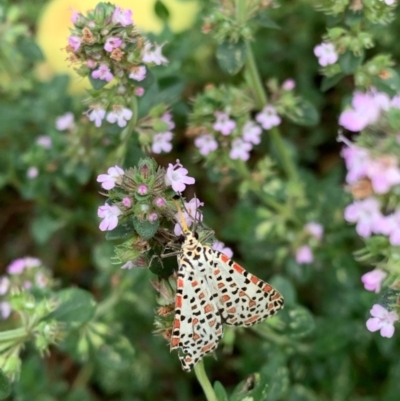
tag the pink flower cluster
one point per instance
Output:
(366, 109)
(120, 115)
(162, 140)
(304, 254)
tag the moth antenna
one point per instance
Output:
(182, 222)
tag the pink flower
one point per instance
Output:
(154, 56)
(315, 229)
(390, 226)
(357, 160)
(190, 214)
(96, 114)
(74, 16)
(268, 117)
(120, 115)
(91, 63)
(138, 73)
(382, 320)
(142, 189)
(167, 118)
(19, 265)
(220, 246)
(206, 144)
(152, 217)
(223, 124)
(177, 177)
(373, 280)
(139, 92)
(251, 133)
(109, 214)
(123, 17)
(109, 180)
(289, 84)
(304, 255)
(326, 54)
(160, 202)
(366, 214)
(5, 310)
(112, 43)
(240, 150)
(103, 73)
(44, 141)
(388, 2)
(395, 102)
(66, 121)
(75, 42)
(127, 202)
(383, 173)
(127, 265)
(32, 172)
(162, 142)
(365, 110)
(4, 285)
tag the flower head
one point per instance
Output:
(44, 141)
(206, 144)
(120, 115)
(304, 255)
(127, 202)
(251, 132)
(103, 72)
(190, 213)
(220, 246)
(224, 125)
(357, 160)
(162, 142)
(123, 17)
(112, 43)
(109, 214)
(315, 229)
(326, 54)
(153, 56)
(32, 172)
(268, 117)
(176, 176)
(96, 114)
(66, 121)
(19, 265)
(240, 149)
(383, 173)
(109, 180)
(373, 280)
(167, 118)
(138, 73)
(382, 320)
(75, 42)
(289, 84)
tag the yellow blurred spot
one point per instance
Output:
(55, 21)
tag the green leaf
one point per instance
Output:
(171, 89)
(266, 22)
(5, 386)
(220, 392)
(43, 227)
(285, 287)
(97, 83)
(299, 321)
(145, 229)
(305, 114)
(123, 230)
(161, 11)
(300, 393)
(163, 267)
(75, 307)
(391, 83)
(349, 62)
(231, 56)
(329, 82)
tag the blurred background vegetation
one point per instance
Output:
(329, 356)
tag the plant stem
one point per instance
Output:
(10, 335)
(204, 382)
(261, 101)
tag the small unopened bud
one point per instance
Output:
(142, 189)
(160, 202)
(153, 217)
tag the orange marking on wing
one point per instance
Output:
(180, 283)
(201, 296)
(221, 284)
(195, 321)
(252, 319)
(242, 294)
(270, 305)
(267, 288)
(207, 347)
(208, 308)
(231, 310)
(238, 268)
(188, 359)
(276, 296)
(216, 271)
(178, 301)
(224, 258)
(195, 336)
(252, 303)
(212, 323)
(175, 341)
(225, 298)
(195, 283)
(254, 279)
(177, 324)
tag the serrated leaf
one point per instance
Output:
(349, 62)
(305, 114)
(330, 82)
(5, 386)
(75, 307)
(123, 230)
(231, 56)
(220, 391)
(145, 229)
